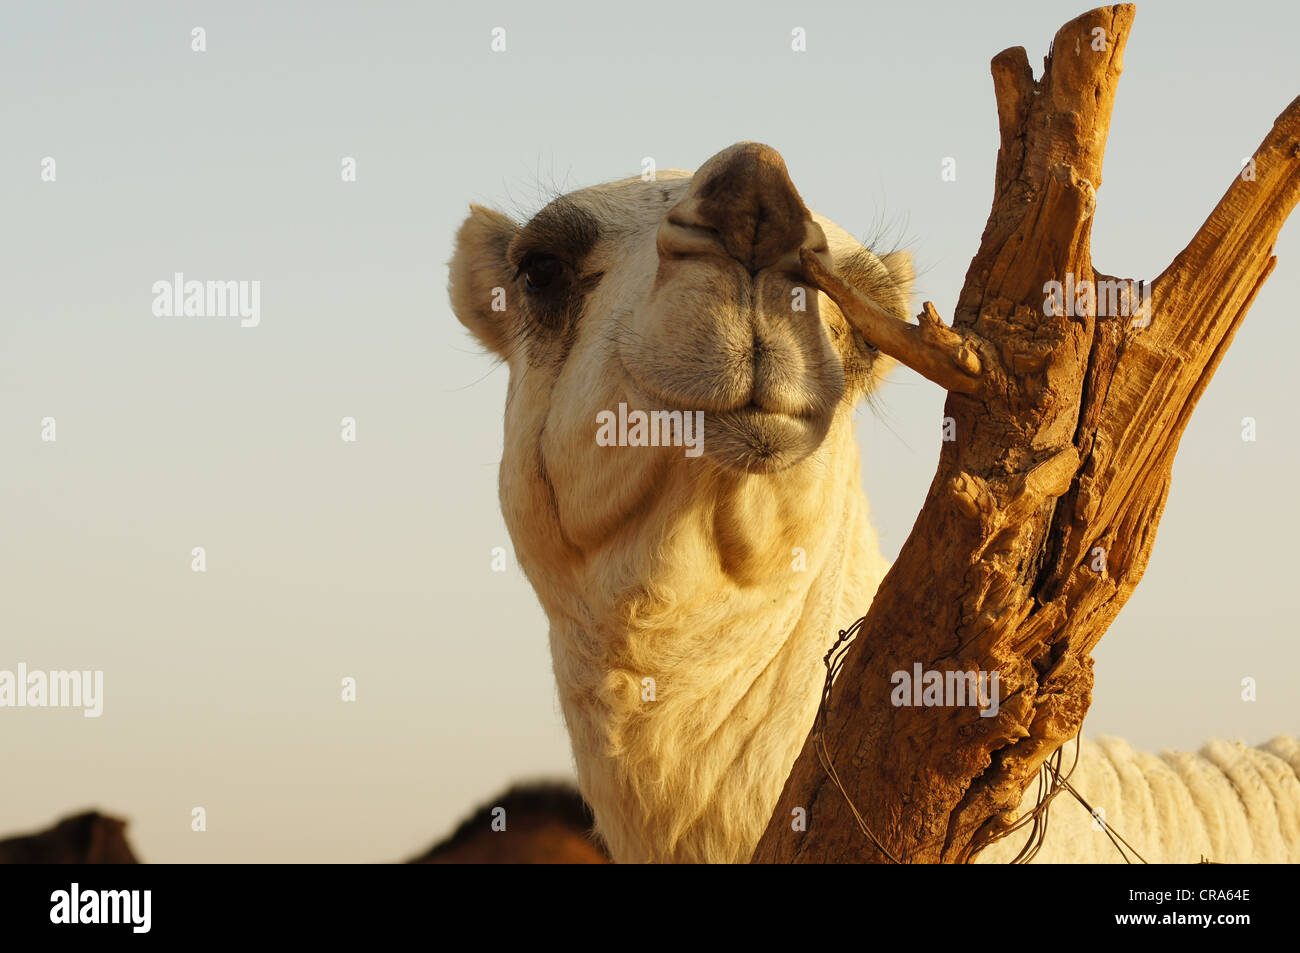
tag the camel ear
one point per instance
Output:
(900, 268)
(481, 277)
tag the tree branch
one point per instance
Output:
(1041, 518)
(928, 347)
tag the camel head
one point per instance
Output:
(664, 556)
(682, 298)
(684, 293)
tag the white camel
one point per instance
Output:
(691, 598)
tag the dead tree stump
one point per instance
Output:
(1068, 402)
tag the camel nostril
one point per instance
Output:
(706, 231)
(744, 195)
(680, 238)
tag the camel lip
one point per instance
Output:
(748, 439)
(761, 415)
(754, 412)
(806, 415)
(754, 440)
(652, 397)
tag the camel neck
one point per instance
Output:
(689, 696)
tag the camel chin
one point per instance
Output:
(681, 483)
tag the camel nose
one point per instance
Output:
(745, 195)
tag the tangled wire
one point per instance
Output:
(1050, 780)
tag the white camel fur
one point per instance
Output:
(691, 599)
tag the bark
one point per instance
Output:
(1041, 516)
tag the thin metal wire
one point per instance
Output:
(1038, 817)
(834, 661)
(1104, 825)
(1050, 780)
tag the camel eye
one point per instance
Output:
(541, 272)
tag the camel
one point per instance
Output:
(86, 838)
(541, 822)
(691, 599)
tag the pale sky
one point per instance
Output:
(371, 560)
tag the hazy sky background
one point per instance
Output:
(372, 560)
